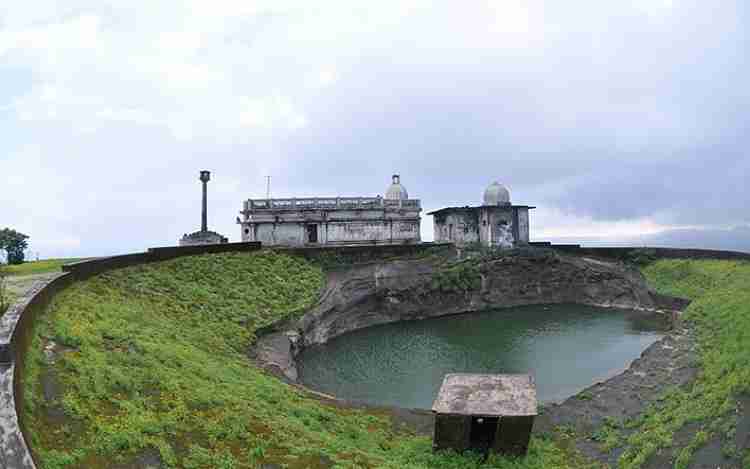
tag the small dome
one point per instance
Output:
(496, 194)
(396, 191)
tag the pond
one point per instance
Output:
(566, 348)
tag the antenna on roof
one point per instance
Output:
(268, 187)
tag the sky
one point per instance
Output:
(622, 122)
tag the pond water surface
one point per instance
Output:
(565, 347)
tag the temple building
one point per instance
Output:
(314, 221)
(495, 223)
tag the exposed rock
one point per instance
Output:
(274, 353)
(400, 290)
(405, 290)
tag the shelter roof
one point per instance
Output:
(465, 208)
(486, 395)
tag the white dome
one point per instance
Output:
(396, 191)
(496, 194)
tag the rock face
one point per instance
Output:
(416, 289)
(406, 290)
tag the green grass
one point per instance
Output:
(156, 359)
(38, 267)
(720, 313)
(459, 277)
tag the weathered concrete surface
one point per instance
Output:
(18, 285)
(333, 220)
(24, 294)
(13, 451)
(502, 226)
(486, 395)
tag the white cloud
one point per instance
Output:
(321, 95)
(553, 223)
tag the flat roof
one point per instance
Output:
(467, 207)
(487, 395)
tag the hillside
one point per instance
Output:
(148, 365)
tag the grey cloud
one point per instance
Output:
(651, 121)
(733, 239)
(608, 112)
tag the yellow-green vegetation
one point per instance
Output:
(154, 359)
(38, 267)
(720, 314)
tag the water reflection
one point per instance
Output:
(566, 347)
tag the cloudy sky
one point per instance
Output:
(621, 121)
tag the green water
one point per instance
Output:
(565, 347)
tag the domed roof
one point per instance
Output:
(496, 194)
(396, 191)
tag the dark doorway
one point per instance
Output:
(482, 435)
(312, 233)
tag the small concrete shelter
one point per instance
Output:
(495, 223)
(485, 412)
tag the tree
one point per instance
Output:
(14, 244)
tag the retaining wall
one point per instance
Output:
(361, 253)
(627, 253)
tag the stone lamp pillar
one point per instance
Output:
(203, 236)
(205, 177)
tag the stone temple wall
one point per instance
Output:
(502, 226)
(460, 226)
(523, 225)
(294, 228)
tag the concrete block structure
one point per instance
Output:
(495, 223)
(314, 221)
(485, 413)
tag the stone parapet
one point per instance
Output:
(328, 203)
(627, 253)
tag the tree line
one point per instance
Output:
(14, 244)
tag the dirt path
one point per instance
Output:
(20, 284)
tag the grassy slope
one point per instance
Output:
(721, 314)
(158, 361)
(38, 267)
